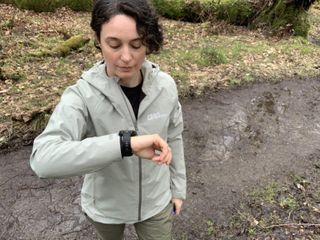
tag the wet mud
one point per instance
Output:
(235, 140)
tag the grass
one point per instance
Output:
(289, 202)
(211, 229)
(288, 209)
(212, 56)
(268, 194)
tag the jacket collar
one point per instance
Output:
(109, 86)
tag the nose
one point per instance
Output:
(126, 54)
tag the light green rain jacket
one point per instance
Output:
(81, 138)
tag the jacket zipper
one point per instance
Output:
(140, 189)
(140, 161)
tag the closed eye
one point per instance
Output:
(136, 44)
(113, 43)
(114, 46)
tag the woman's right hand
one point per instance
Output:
(151, 147)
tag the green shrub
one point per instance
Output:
(38, 5)
(234, 11)
(51, 5)
(284, 19)
(172, 9)
(189, 10)
(79, 5)
(7, 1)
(237, 12)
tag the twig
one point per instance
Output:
(294, 225)
(76, 231)
(8, 180)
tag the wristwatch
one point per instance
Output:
(125, 142)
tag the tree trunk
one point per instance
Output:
(305, 4)
(285, 17)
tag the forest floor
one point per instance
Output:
(253, 165)
(251, 105)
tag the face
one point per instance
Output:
(122, 49)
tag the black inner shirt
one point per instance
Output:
(135, 96)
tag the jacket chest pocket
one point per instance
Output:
(156, 122)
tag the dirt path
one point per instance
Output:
(234, 140)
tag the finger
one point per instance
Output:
(160, 144)
(167, 157)
(159, 160)
(164, 156)
(165, 149)
(156, 159)
(177, 207)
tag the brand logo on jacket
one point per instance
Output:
(156, 115)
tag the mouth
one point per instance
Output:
(125, 69)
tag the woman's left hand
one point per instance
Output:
(151, 147)
(177, 204)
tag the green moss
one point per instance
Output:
(51, 46)
(72, 43)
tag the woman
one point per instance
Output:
(120, 125)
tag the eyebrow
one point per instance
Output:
(117, 39)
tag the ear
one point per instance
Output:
(97, 42)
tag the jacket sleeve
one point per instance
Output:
(177, 166)
(63, 149)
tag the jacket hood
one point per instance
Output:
(97, 77)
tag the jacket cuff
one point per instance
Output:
(179, 195)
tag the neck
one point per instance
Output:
(132, 82)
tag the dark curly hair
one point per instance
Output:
(147, 21)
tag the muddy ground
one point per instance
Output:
(235, 141)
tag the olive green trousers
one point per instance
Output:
(158, 227)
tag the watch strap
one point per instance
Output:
(125, 142)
